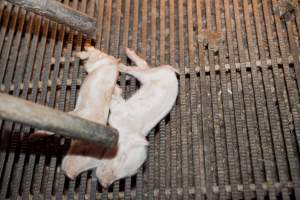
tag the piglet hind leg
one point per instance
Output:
(137, 72)
(141, 63)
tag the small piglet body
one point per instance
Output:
(93, 104)
(135, 117)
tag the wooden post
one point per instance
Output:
(45, 118)
(60, 13)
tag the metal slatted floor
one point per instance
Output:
(234, 132)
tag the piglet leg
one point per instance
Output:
(140, 71)
(141, 63)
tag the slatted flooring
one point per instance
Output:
(234, 132)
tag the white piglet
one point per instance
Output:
(92, 104)
(135, 117)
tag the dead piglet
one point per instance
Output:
(93, 104)
(134, 118)
(151, 102)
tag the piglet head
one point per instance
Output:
(92, 55)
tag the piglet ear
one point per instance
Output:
(139, 140)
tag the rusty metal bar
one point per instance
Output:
(26, 112)
(60, 13)
(251, 120)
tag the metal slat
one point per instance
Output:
(255, 149)
(82, 185)
(37, 179)
(7, 46)
(100, 23)
(12, 62)
(28, 173)
(124, 43)
(230, 134)
(93, 187)
(151, 165)
(183, 108)
(293, 100)
(297, 14)
(174, 110)
(107, 26)
(239, 118)
(143, 54)
(20, 69)
(15, 141)
(162, 125)
(42, 100)
(60, 179)
(273, 113)
(264, 133)
(4, 26)
(216, 121)
(189, 126)
(63, 93)
(11, 41)
(194, 103)
(293, 161)
(2, 6)
(295, 51)
(202, 99)
(155, 159)
(48, 183)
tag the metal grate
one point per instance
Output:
(234, 132)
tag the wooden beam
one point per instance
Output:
(45, 118)
(60, 13)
